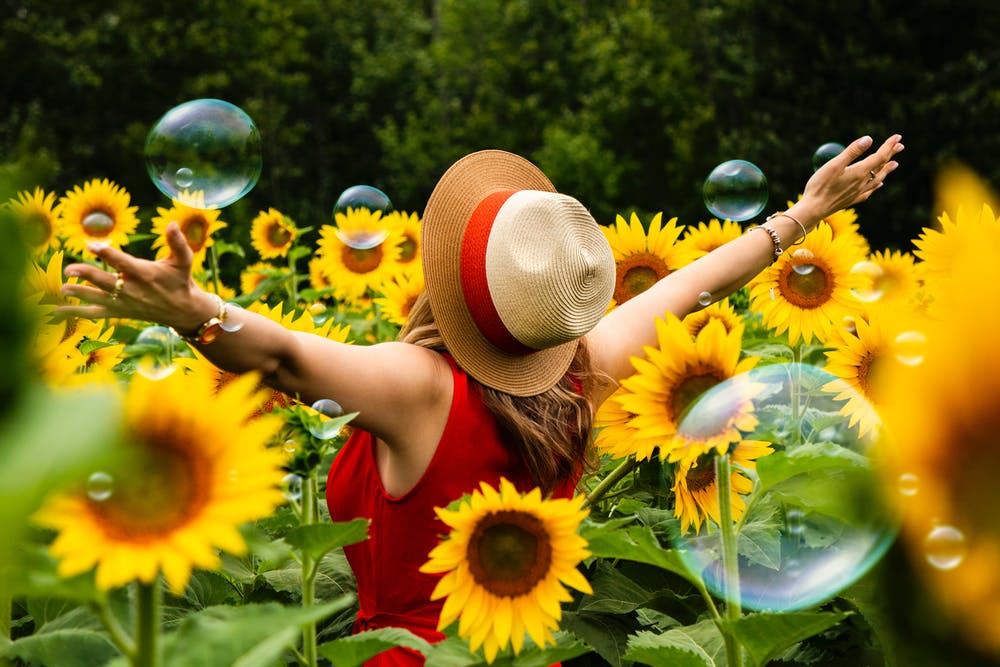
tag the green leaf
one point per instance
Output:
(605, 633)
(765, 635)
(454, 652)
(824, 457)
(354, 650)
(759, 540)
(318, 538)
(614, 593)
(670, 649)
(65, 648)
(246, 636)
(636, 543)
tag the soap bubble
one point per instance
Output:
(735, 190)
(945, 547)
(205, 153)
(328, 426)
(802, 261)
(819, 516)
(100, 486)
(910, 348)
(825, 153)
(705, 299)
(155, 347)
(232, 324)
(868, 276)
(291, 486)
(362, 196)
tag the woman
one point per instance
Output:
(498, 372)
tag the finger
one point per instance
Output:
(853, 151)
(115, 258)
(179, 248)
(87, 312)
(877, 160)
(86, 293)
(92, 274)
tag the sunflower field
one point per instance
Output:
(756, 481)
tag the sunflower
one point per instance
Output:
(317, 279)
(944, 415)
(641, 258)
(706, 237)
(670, 379)
(807, 291)
(896, 276)
(957, 186)
(254, 275)
(197, 224)
(98, 212)
(399, 295)
(272, 234)
(56, 348)
(615, 436)
(973, 225)
(696, 489)
(354, 270)
(720, 310)
(408, 225)
(196, 470)
(506, 563)
(36, 213)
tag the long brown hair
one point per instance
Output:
(551, 430)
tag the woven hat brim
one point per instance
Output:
(446, 215)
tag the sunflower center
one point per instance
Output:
(98, 224)
(361, 260)
(869, 369)
(636, 274)
(407, 249)
(509, 553)
(38, 229)
(278, 236)
(806, 290)
(407, 306)
(689, 389)
(196, 232)
(701, 475)
(166, 484)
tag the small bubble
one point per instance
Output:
(328, 407)
(802, 261)
(850, 325)
(869, 281)
(362, 196)
(735, 190)
(825, 153)
(362, 239)
(945, 547)
(291, 486)
(230, 325)
(792, 568)
(908, 484)
(290, 446)
(909, 348)
(326, 428)
(98, 223)
(100, 486)
(156, 358)
(184, 178)
(705, 299)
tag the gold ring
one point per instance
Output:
(119, 284)
(871, 174)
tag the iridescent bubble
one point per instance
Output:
(818, 516)
(825, 153)
(362, 196)
(705, 299)
(205, 153)
(291, 486)
(909, 484)
(362, 239)
(945, 547)
(868, 276)
(802, 261)
(735, 190)
(910, 347)
(100, 486)
(98, 224)
(328, 427)
(233, 322)
(290, 446)
(155, 347)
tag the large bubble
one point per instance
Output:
(204, 153)
(817, 517)
(735, 190)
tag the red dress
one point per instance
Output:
(391, 589)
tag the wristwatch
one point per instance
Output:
(211, 328)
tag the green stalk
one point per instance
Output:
(213, 258)
(147, 625)
(293, 282)
(119, 637)
(309, 513)
(730, 560)
(5, 606)
(606, 484)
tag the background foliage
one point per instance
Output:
(626, 103)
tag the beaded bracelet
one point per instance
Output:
(778, 214)
(775, 239)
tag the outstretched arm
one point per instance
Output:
(387, 383)
(843, 181)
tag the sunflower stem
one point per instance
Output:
(293, 282)
(606, 484)
(730, 560)
(147, 625)
(119, 637)
(213, 258)
(309, 512)
(5, 607)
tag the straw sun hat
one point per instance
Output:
(515, 272)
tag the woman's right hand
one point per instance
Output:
(152, 291)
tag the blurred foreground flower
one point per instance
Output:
(36, 213)
(507, 561)
(195, 469)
